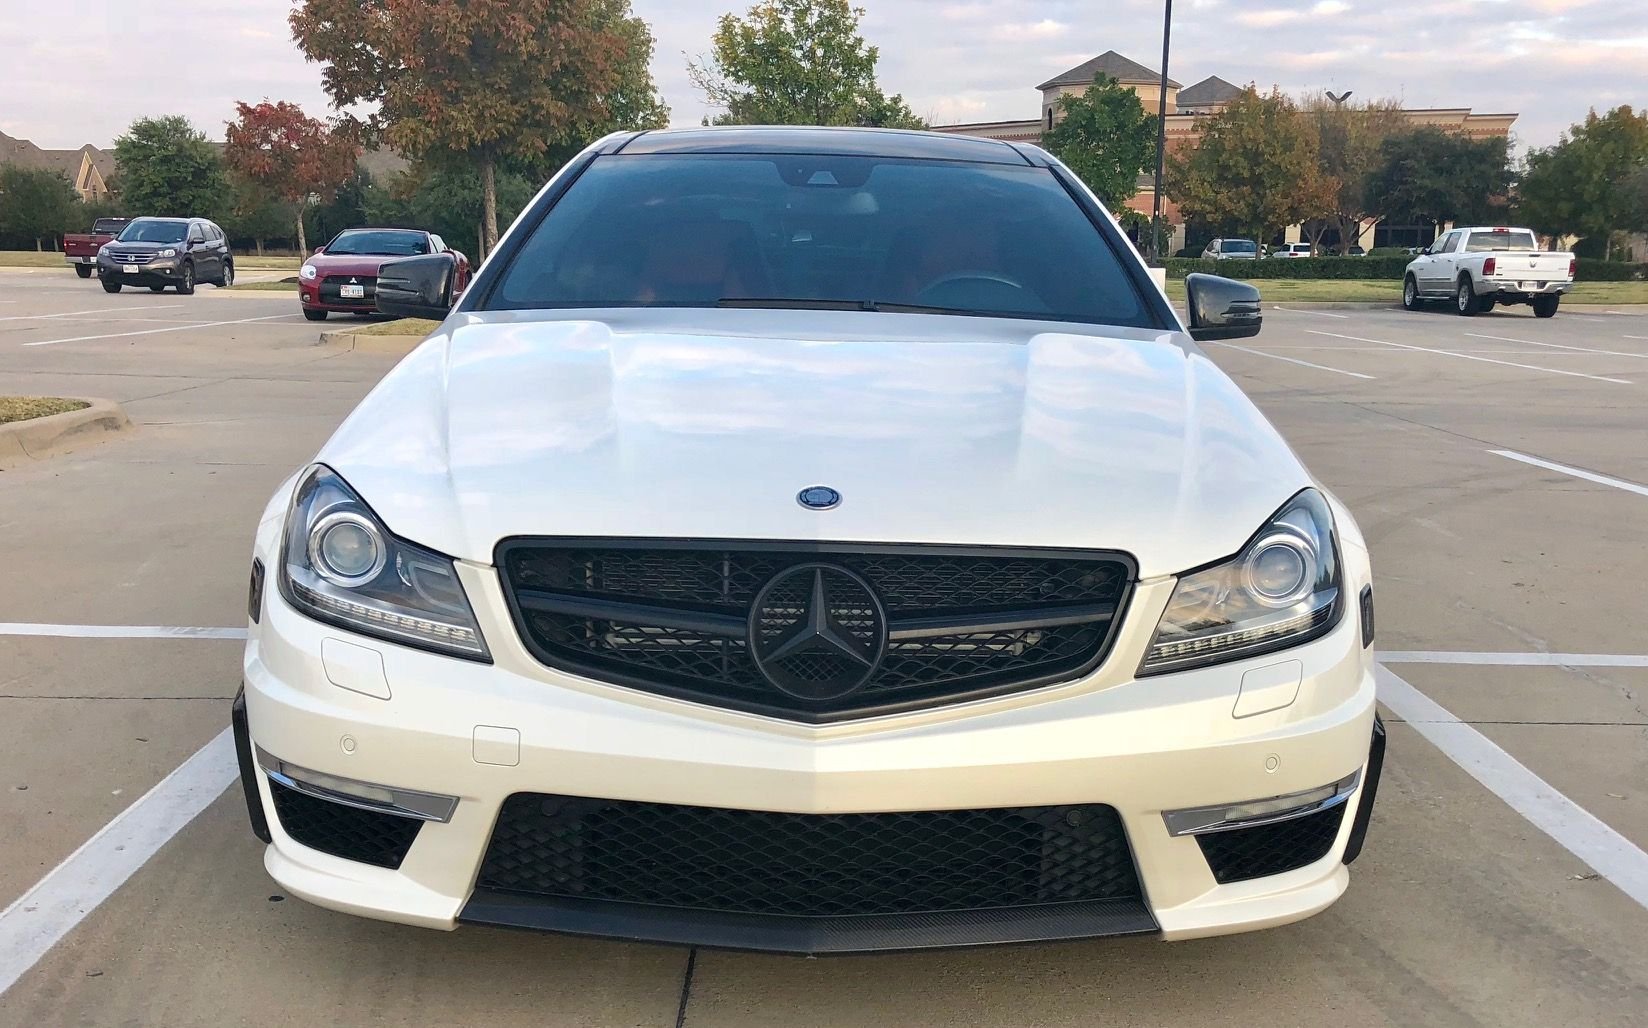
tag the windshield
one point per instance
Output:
(109, 225)
(1500, 239)
(378, 244)
(842, 232)
(144, 230)
(1239, 246)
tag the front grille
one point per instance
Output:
(1244, 853)
(130, 258)
(331, 289)
(815, 865)
(676, 619)
(366, 836)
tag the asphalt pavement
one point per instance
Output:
(1495, 463)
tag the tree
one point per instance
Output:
(1580, 186)
(1635, 187)
(1106, 138)
(797, 62)
(1429, 176)
(1255, 169)
(255, 215)
(34, 203)
(1347, 147)
(291, 156)
(445, 200)
(168, 169)
(479, 81)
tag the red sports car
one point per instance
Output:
(342, 276)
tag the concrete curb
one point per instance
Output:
(349, 339)
(24, 442)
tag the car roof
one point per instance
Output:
(384, 228)
(860, 142)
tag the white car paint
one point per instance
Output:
(704, 424)
(1451, 267)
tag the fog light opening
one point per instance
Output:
(1229, 817)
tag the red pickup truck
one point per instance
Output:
(80, 248)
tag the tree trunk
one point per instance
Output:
(37, 247)
(489, 204)
(303, 241)
(259, 242)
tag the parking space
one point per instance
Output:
(1491, 462)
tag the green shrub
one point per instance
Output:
(1359, 268)
(1590, 270)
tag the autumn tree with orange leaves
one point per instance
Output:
(479, 81)
(277, 148)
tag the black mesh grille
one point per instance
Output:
(744, 861)
(1012, 615)
(1244, 853)
(348, 832)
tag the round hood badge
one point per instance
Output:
(818, 497)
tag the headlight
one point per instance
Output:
(341, 566)
(1281, 590)
(307, 272)
(168, 252)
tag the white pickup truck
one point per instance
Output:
(1476, 268)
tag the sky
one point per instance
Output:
(82, 77)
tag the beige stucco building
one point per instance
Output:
(1188, 108)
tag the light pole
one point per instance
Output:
(1161, 141)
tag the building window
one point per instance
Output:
(1049, 118)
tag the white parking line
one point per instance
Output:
(1589, 476)
(152, 331)
(1560, 346)
(1571, 826)
(1513, 659)
(119, 631)
(41, 917)
(98, 310)
(1643, 338)
(51, 909)
(1293, 360)
(1472, 357)
(1319, 314)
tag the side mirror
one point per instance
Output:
(417, 287)
(319, 250)
(1424, 251)
(1220, 308)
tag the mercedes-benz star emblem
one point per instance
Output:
(818, 497)
(817, 631)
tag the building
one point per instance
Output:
(1188, 108)
(88, 169)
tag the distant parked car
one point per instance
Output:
(1479, 267)
(80, 248)
(1291, 251)
(161, 252)
(342, 276)
(1231, 250)
(1356, 251)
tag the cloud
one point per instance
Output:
(953, 60)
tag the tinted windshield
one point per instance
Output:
(109, 225)
(809, 231)
(145, 231)
(378, 244)
(1507, 240)
(1239, 246)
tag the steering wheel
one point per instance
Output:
(971, 276)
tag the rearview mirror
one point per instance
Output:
(417, 287)
(1220, 308)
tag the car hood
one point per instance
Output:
(365, 264)
(706, 424)
(145, 247)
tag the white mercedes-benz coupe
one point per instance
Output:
(811, 540)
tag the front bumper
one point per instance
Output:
(310, 297)
(167, 271)
(410, 720)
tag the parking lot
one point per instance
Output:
(1497, 465)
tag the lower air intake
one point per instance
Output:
(365, 836)
(1244, 853)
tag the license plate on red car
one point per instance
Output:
(352, 292)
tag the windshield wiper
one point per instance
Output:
(810, 304)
